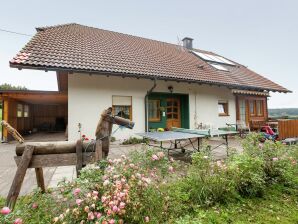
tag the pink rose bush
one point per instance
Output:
(124, 181)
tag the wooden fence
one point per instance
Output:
(288, 129)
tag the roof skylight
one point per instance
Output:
(218, 67)
(213, 58)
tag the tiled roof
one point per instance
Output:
(81, 48)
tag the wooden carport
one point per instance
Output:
(30, 111)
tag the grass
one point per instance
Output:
(0, 114)
(278, 205)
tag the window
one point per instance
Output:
(223, 108)
(259, 104)
(154, 110)
(26, 111)
(218, 67)
(173, 108)
(122, 106)
(242, 110)
(19, 110)
(252, 107)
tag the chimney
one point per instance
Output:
(187, 42)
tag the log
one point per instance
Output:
(40, 179)
(19, 176)
(53, 160)
(59, 147)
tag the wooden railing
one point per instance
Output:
(288, 129)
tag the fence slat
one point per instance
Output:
(288, 129)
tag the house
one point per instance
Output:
(153, 83)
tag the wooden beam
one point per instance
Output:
(40, 179)
(19, 176)
(52, 160)
(58, 147)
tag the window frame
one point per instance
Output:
(225, 105)
(254, 107)
(21, 111)
(260, 108)
(130, 106)
(155, 119)
(24, 111)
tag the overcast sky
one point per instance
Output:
(261, 34)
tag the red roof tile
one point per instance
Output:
(76, 47)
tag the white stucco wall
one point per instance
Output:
(89, 95)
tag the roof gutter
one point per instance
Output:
(138, 76)
(146, 105)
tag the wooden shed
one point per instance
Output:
(31, 111)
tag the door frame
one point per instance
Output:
(184, 109)
(177, 99)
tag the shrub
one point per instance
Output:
(280, 161)
(209, 181)
(248, 174)
(134, 140)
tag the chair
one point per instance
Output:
(242, 128)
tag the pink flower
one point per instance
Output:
(90, 216)
(34, 205)
(5, 211)
(147, 219)
(98, 215)
(275, 159)
(154, 157)
(112, 221)
(109, 212)
(115, 208)
(94, 193)
(160, 154)
(122, 194)
(76, 191)
(122, 205)
(79, 201)
(86, 209)
(106, 182)
(18, 221)
(103, 199)
(171, 169)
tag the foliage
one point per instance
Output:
(134, 140)
(278, 205)
(290, 112)
(149, 187)
(113, 139)
(6, 86)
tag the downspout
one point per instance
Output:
(146, 105)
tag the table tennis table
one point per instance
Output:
(176, 135)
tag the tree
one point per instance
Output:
(7, 86)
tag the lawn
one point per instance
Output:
(278, 205)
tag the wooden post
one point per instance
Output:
(79, 152)
(40, 179)
(98, 150)
(19, 177)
